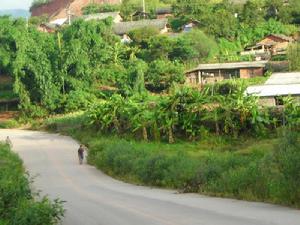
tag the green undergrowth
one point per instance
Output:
(246, 168)
(18, 204)
(8, 124)
(6, 91)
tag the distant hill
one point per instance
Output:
(15, 12)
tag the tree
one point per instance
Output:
(159, 47)
(162, 74)
(193, 9)
(294, 57)
(194, 46)
(252, 13)
(140, 37)
(225, 27)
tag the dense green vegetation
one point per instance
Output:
(6, 91)
(135, 91)
(259, 169)
(18, 205)
(186, 113)
(75, 62)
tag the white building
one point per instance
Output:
(277, 86)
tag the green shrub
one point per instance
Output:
(9, 124)
(17, 202)
(286, 161)
(77, 100)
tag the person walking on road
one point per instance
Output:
(81, 154)
(8, 141)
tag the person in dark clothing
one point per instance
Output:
(81, 154)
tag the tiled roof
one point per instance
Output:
(234, 65)
(283, 37)
(284, 78)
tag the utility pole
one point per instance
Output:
(144, 9)
(69, 15)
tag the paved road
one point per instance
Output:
(96, 199)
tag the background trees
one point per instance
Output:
(294, 57)
(51, 71)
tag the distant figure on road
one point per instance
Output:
(8, 141)
(81, 154)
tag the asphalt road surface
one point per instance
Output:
(93, 198)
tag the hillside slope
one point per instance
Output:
(56, 9)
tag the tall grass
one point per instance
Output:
(245, 168)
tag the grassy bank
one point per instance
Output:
(18, 205)
(245, 168)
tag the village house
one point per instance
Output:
(123, 28)
(210, 73)
(277, 86)
(274, 44)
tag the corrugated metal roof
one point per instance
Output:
(235, 65)
(59, 22)
(100, 16)
(274, 90)
(284, 78)
(279, 84)
(125, 27)
(282, 36)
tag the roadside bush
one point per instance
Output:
(257, 169)
(286, 162)
(154, 169)
(274, 178)
(18, 205)
(9, 124)
(77, 100)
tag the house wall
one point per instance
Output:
(191, 78)
(280, 47)
(272, 39)
(251, 72)
(162, 16)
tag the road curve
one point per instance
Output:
(92, 198)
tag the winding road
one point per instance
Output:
(93, 198)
